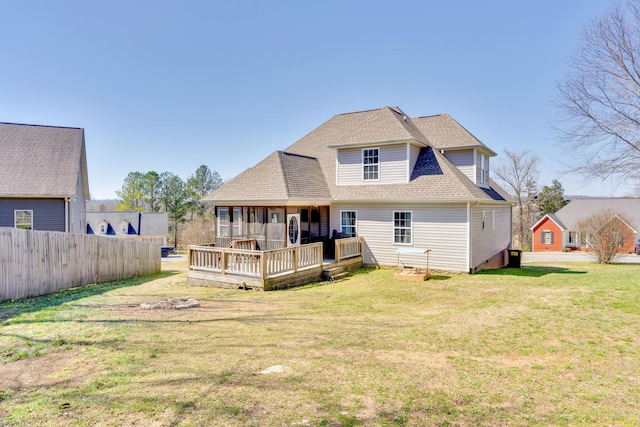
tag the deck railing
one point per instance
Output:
(262, 243)
(348, 248)
(259, 264)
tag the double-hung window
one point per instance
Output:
(348, 223)
(223, 222)
(23, 219)
(370, 164)
(402, 227)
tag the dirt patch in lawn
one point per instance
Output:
(52, 369)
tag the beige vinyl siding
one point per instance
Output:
(441, 228)
(392, 169)
(463, 160)
(488, 242)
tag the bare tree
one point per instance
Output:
(604, 233)
(518, 174)
(599, 101)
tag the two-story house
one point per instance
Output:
(395, 181)
(43, 178)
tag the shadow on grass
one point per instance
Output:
(529, 271)
(9, 309)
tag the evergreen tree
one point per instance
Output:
(551, 198)
(201, 183)
(174, 198)
(131, 194)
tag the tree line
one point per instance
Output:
(166, 192)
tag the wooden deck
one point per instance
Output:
(241, 267)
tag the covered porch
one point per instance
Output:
(242, 265)
(272, 227)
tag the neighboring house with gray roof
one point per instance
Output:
(130, 225)
(397, 182)
(43, 177)
(553, 232)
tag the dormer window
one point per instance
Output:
(103, 227)
(483, 169)
(370, 164)
(124, 227)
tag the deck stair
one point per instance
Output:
(334, 273)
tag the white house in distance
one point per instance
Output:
(395, 181)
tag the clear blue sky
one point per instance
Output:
(168, 86)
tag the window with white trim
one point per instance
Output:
(348, 223)
(370, 164)
(124, 227)
(237, 222)
(23, 219)
(483, 169)
(104, 226)
(223, 222)
(402, 227)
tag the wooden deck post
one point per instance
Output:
(263, 266)
(223, 262)
(295, 259)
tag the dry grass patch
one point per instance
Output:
(550, 345)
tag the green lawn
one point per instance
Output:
(541, 345)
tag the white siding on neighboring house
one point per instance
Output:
(494, 237)
(463, 160)
(392, 167)
(441, 228)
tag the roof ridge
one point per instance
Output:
(357, 112)
(284, 175)
(41, 126)
(378, 111)
(433, 115)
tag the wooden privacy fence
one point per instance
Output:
(39, 262)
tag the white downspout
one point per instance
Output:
(469, 248)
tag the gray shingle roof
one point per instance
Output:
(577, 209)
(279, 177)
(446, 133)
(434, 178)
(41, 161)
